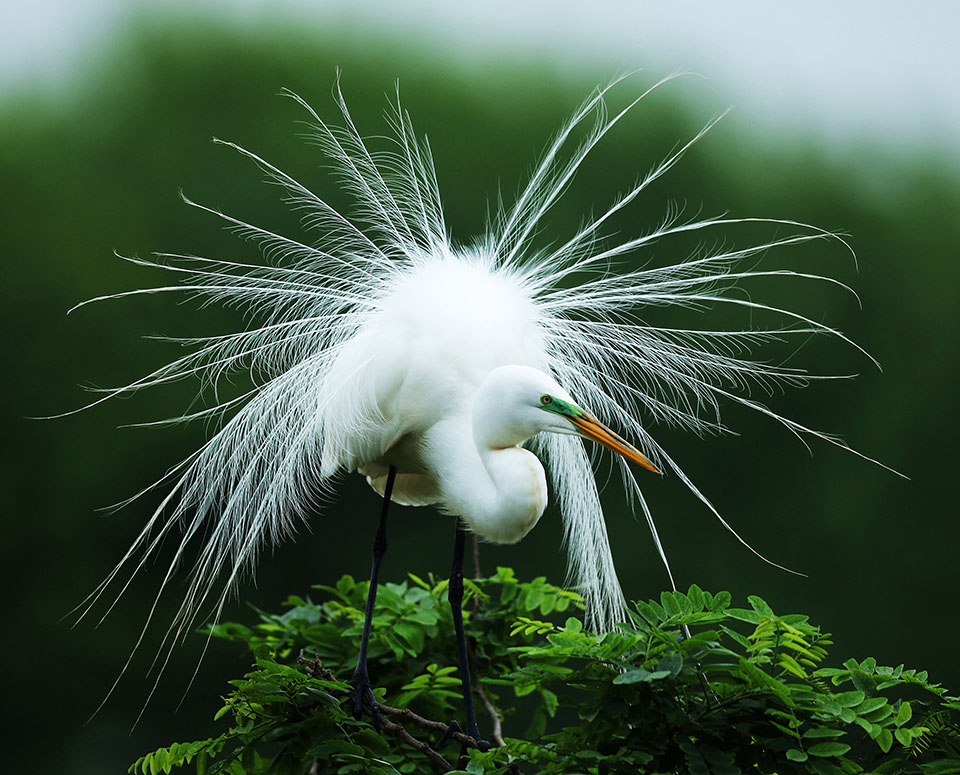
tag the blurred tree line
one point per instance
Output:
(93, 166)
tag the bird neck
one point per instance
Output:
(499, 491)
(520, 488)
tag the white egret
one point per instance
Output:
(445, 372)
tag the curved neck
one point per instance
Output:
(521, 489)
(499, 491)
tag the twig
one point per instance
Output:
(315, 668)
(476, 557)
(488, 706)
(476, 572)
(492, 711)
(426, 750)
(497, 733)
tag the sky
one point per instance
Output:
(879, 71)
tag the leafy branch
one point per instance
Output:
(747, 690)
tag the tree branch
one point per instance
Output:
(497, 733)
(429, 725)
(426, 750)
(491, 709)
(315, 669)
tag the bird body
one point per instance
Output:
(410, 376)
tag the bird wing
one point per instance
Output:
(408, 489)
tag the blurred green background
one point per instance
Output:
(95, 167)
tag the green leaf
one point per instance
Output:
(904, 714)
(862, 681)
(640, 676)
(550, 702)
(671, 663)
(669, 602)
(849, 699)
(828, 749)
(533, 598)
(411, 634)
(885, 740)
(418, 581)
(647, 611)
(759, 605)
(870, 704)
(796, 755)
(696, 598)
(736, 636)
(721, 601)
(823, 732)
(789, 664)
(744, 615)
(942, 767)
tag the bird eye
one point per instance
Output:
(546, 399)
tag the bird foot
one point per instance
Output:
(453, 726)
(361, 697)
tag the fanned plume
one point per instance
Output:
(280, 443)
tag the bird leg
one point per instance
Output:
(455, 596)
(362, 692)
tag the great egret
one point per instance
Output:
(431, 366)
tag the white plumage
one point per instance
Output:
(383, 343)
(421, 356)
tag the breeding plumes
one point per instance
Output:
(446, 371)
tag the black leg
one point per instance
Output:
(455, 596)
(362, 691)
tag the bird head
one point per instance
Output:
(517, 402)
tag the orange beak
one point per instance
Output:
(593, 429)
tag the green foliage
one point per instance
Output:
(692, 684)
